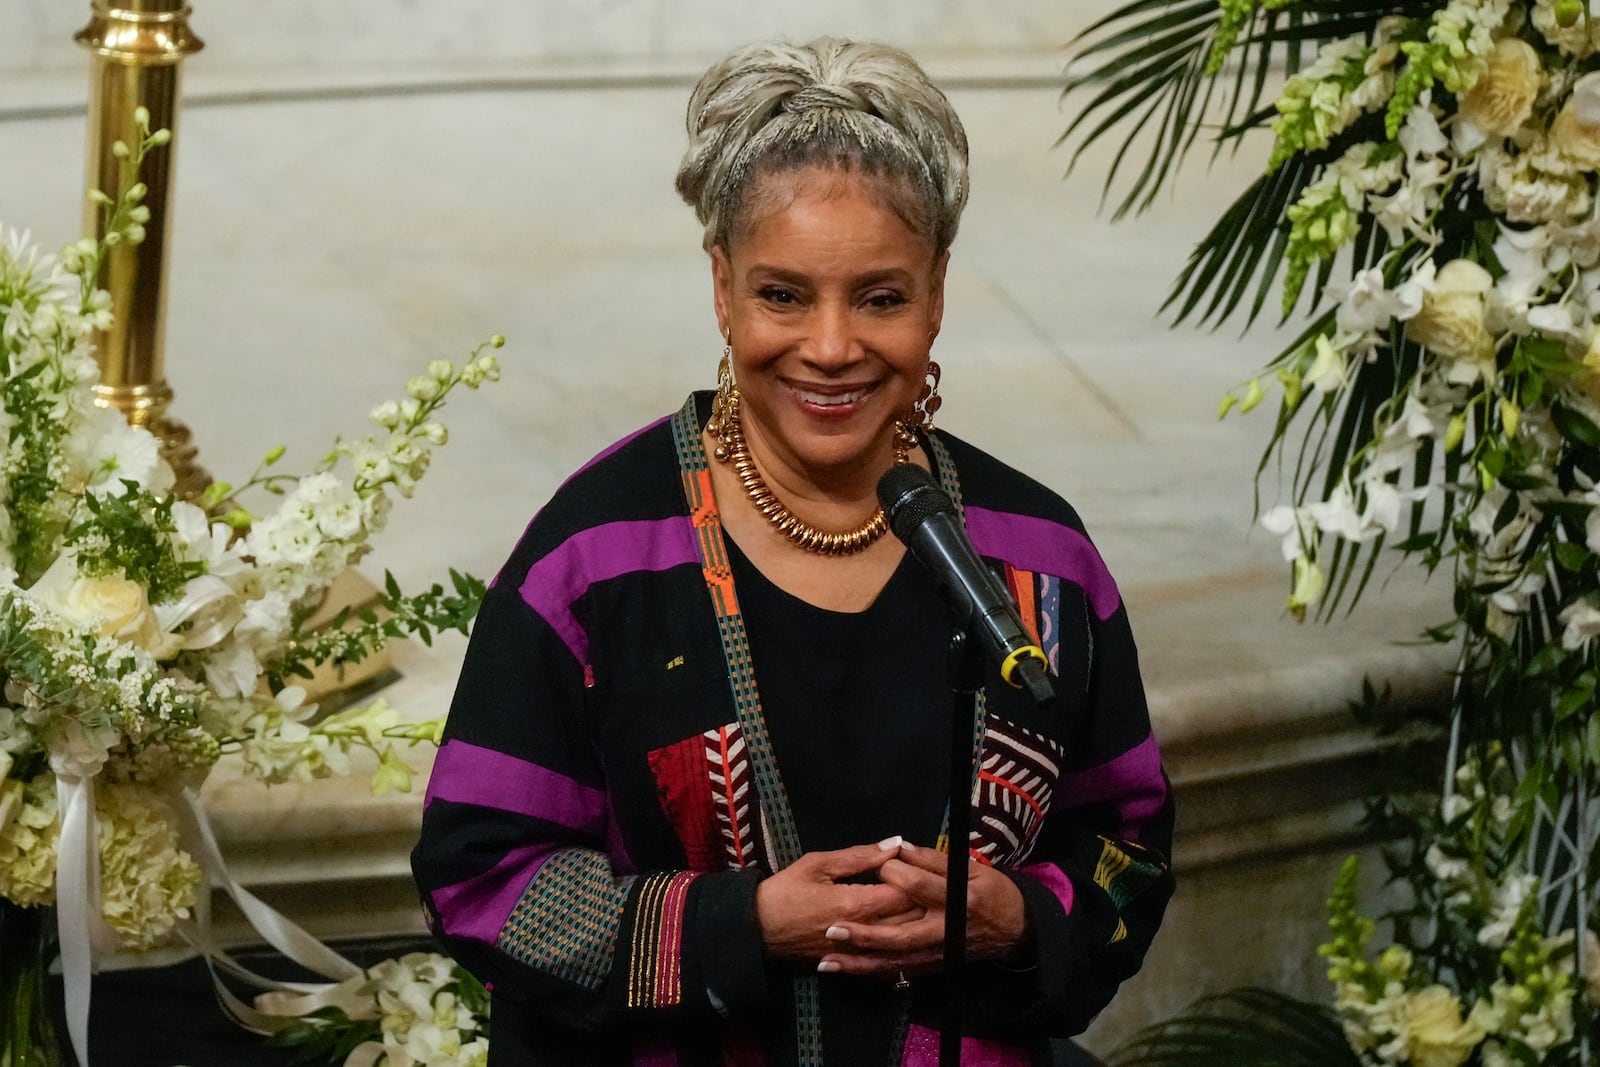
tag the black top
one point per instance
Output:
(594, 831)
(858, 706)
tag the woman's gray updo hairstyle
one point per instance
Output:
(858, 106)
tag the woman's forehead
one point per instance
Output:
(827, 203)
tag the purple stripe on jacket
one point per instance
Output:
(1053, 879)
(613, 549)
(922, 1050)
(599, 457)
(470, 774)
(479, 908)
(1045, 547)
(1133, 782)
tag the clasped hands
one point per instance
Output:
(892, 928)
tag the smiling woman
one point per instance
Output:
(689, 807)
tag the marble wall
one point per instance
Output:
(411, 38)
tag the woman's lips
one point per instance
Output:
(830, 401)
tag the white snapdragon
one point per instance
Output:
(386, 415)
(310, 539)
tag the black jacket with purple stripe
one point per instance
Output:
(590, 844)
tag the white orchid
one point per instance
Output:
(1581, 623)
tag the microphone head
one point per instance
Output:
(909, 497)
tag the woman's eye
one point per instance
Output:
(774, 295)
(886, 300)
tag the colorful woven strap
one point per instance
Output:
(783, 840)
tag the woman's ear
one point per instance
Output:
(722, 288)
(936, 295)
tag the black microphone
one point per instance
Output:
(924, 517)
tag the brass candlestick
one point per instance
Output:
(138, 46)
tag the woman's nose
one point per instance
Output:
(833, 341)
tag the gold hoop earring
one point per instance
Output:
(724, 406)
(923, 411)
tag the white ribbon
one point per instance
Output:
(84, 934)
(80, 926)
(279, 931)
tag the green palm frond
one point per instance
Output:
(1247, 1027)
(1147, 61)
(1245, 247)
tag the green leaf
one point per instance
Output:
(1241, 1028)
(1576, 426)
(1572, 557)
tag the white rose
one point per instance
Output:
(120, 608)
(1501, 100)
(1438, 1036)
(1450, 321)
(112, 606)
(1576, 131)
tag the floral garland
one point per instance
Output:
(142, 636)
(1432, 192)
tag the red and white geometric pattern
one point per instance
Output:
(1016, 780)
(733, 795)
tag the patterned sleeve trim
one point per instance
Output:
(1125, 871)
(477, 908)
(566, 922)
(1132, 782)
(655, 968)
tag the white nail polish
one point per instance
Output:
(837, 933)
(828, 967)
(908, 846)
(889, 844)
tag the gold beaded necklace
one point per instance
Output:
(732, 448)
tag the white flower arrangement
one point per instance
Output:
(144, 636)
(419, 1010)
(1392, 1010)
(1433, 192)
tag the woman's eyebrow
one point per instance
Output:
(770, 272)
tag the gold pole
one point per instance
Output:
(138, 46)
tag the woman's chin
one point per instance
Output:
(839, 452)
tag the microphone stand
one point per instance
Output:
(965, 667)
